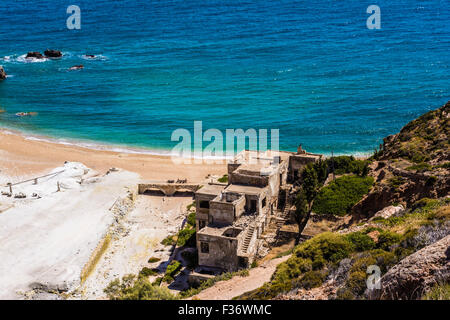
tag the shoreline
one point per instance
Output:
(22, 156)
(123, 148)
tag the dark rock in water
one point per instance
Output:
(34, 54)
(90, 56)
(77, 67)
(53, 53)
(2, 73)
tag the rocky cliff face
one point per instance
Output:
(422, 140)
(412, 164)
(417, 273)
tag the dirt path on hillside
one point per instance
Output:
(227, 290)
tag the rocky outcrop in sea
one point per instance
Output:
(2, 73)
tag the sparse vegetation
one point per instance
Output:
(172, 270)
(396, 181)
(147, 272)
(223, 179)
(420, 167)
(322, 255)
(439, 292)
(184, 237)
(153, 260)
(361, 241)
(98, 252)
(132, 288)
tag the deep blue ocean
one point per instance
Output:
(309, 68)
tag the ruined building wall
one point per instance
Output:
(249, 180)
(224, 212)
(222, 252)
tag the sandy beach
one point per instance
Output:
(51, 230)
(21, 157)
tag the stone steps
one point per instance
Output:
(248, 238)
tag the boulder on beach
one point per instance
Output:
(53, 53)
(35, 55)
(2, 73)
(78, 67)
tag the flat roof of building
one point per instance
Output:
(217, 229)
(256, 156)
(211, 189)
(307, 155)
(245, 189)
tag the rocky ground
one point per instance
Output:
(139, 237)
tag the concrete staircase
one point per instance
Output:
(284, 216)
(248, 238)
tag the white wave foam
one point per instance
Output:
(96, 57)
(23, 59)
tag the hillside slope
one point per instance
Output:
(412, 184)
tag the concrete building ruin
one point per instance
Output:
(231, 218)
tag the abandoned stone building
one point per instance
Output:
(231, 218)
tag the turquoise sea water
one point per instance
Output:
(309, 68)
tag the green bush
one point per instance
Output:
(356, 282)
(173, 268)
(224, 179)
(186, 237)
(311, 279)
(169, 241)
(347, 164)
(146, 272)
(425, 204)
(341, 195)
(153, 260)
(361, 241)
(191, 219)
(328, 246)
(131, 288)
(387, 238)
(309, 255)
(157, 281)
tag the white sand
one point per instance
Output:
(47, 241)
